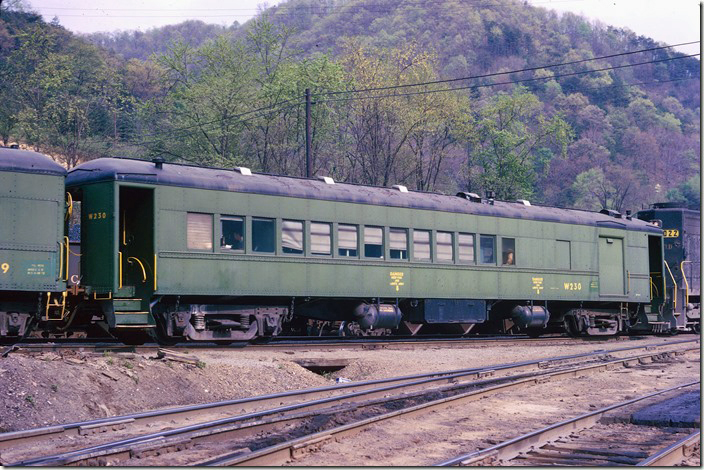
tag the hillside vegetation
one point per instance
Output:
(515, 102)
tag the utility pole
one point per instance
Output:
(308, 149)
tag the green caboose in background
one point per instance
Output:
(216, 254)
(33, 249)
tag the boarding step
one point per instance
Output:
(127, 305)
(122, 319)
(125, 292)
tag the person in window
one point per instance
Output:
(508, 258)
(238, 241)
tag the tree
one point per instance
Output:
(509, 131)
(209, 93)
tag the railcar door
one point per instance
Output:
(611, 266)
(136, 243)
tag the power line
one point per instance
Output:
(444, 90)
(274, 109)
(494, 74)
(185, 131)
(287, 7)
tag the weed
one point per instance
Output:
(107, 353)
(200, 365)
(29, 399)
(110, 362)
(54, 388)
(128, 365)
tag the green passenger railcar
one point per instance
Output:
(214, 254)
(32, 245)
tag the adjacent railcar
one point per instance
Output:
(33, 249)
(681, 229)
(215, 254)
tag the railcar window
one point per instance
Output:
(398, 243)
(466, 247)
(263, 240)
(320, 239)
(199, 231)
(232, 238)
(292, 237)
(347, 240)
(373, 242)
(508, 251)
(445, 248)
(487, 247)
(421, 245)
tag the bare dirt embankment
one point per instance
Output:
(39, 389)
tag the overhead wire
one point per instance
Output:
(271, 110)
(445, 90)
(494, 74)
(284, 8)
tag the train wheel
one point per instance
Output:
(697, 328)
(534, 332)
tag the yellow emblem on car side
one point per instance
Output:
(396, 278)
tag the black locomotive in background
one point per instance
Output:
(681, 227)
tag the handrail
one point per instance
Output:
(674, 284)
(68, 249)
(61, 261)
(119, 286)
(155, 284)
(686, 283)
(144, 271)
(69, 204)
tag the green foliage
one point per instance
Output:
(233, 95)
(510, 131)
(688, 191)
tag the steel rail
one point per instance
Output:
(510, 449)
(281, 453)
(207, 429)
(12, 439)
(674, 454)
(311, 343)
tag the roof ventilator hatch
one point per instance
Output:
(243, 170)
(473, 197)
(326, 179)
(611, 212)
(400, 187)
(158, 162)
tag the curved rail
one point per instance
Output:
(510, 449)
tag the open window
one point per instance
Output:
(232, 233)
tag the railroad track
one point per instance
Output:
(294, 423)
(309, 343)
(589, 440)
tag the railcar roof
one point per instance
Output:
(26, 161)
(146, 172)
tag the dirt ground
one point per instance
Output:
(39, 389)
(434, 437)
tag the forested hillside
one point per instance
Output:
(514, 98)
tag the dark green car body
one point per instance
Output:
(160, 233)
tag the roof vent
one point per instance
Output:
(326, 179)
(243, 170)
(525, 202)
(474, 197)
(611, 212)
(158, 162)
(400, 187)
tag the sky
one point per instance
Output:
(668, 21)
